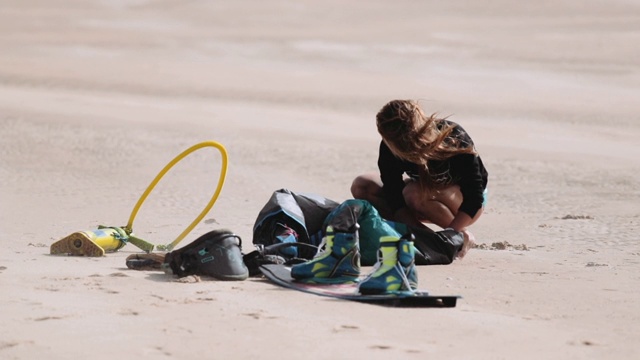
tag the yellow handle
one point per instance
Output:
(223, 174)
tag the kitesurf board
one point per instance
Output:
(281, 275)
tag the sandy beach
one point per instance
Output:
(97, 96)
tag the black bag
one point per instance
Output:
(303, 213)
(216, 253)
(436, 248)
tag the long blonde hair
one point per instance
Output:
(413, 136)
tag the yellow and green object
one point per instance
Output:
(96, 242)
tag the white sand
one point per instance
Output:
(97, 96)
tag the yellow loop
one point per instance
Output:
(223, 174)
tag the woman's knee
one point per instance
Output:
(364, 187)
(358, 188)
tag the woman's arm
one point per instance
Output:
(461, 221)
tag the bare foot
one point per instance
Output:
(469, 243)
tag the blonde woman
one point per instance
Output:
(430, 172)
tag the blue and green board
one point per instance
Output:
(281, 275)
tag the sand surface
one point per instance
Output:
(97, 96)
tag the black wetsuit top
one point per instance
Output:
(464, 170)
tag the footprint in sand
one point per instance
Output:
(343, 328)
(206, 299)
(10, 344)
(162, 350)
(45, 318)
(259, 315)
(381, 347)
(128, 312)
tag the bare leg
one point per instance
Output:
(432, 206)
(439, 207)
(369, 187)
(424, 206)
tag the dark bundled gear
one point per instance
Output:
(290, 220)
(217, 254)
